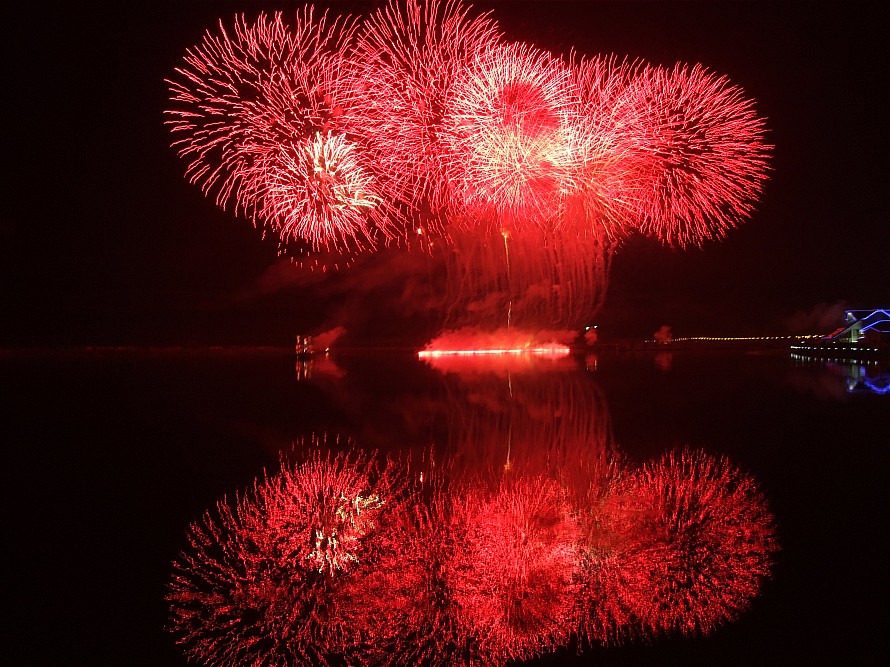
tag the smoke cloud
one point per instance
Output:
(822, 318)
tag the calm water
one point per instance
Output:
(111, 454)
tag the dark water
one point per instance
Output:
(110, 454)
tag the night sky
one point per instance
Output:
(104, 241)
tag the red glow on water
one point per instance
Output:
(341, 558)
(681, 546)
(547, 351)
(513, 568)
(499, 341)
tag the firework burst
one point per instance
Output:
(422, 125)
(508, 134)
(699, 153)
(319, 192)
(257, 113)
(408, 56)
(597, 202)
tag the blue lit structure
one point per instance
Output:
(864, 327)
(866, 334)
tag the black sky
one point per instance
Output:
(104, 241)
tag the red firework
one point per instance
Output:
(260, 581)
(697, 145)
(248, 109)
(512, 569)
(598, 201)
(408, 57)
(318, 191)
(683, 545)
(509, 135)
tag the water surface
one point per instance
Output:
(112, 453)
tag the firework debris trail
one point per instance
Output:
(421, 126)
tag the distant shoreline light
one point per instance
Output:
(739, 338)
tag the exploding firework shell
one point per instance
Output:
(697, 146)
(256, 113)
(319, 192)
(407, 59)
(597, 202)
(508, 135)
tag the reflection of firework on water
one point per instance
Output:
(509, 145)
(512, 568)
(393, 606)
(525, 421)
(338, 560)
(259, 583)
(408, 57)
(699, 149)
(325, 507)
(683, 545)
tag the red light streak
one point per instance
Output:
(546, 351)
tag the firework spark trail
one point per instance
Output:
(408, 56)
(685, 544)
(699, 149)
(558, 279)
(507, 130)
